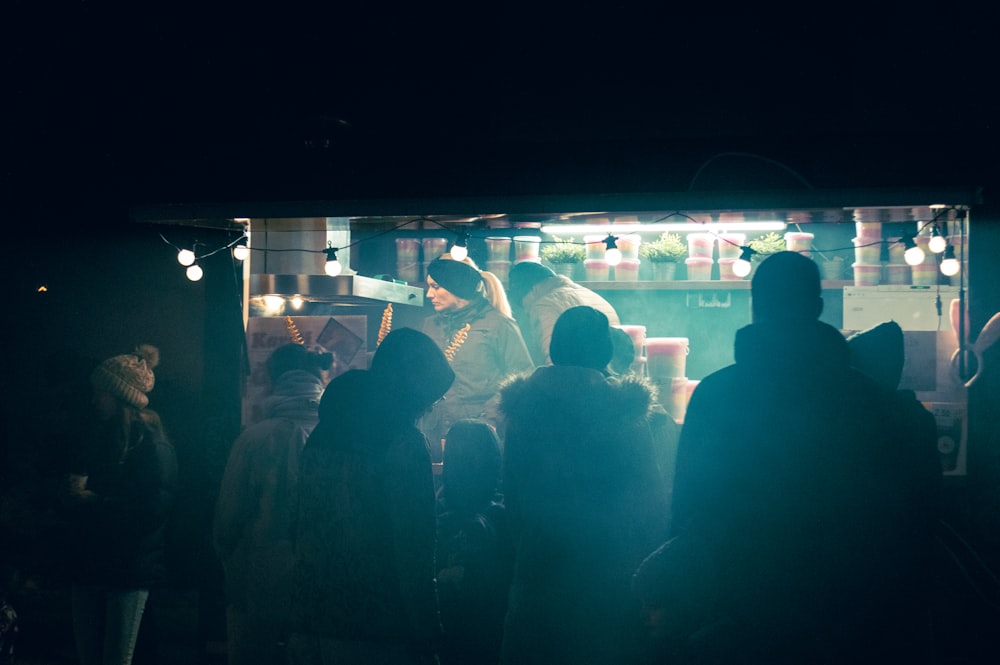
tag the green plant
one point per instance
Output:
(668, 248)
(563, 251)
(767, 244)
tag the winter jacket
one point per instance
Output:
(780, 469)
(492, 351)
(120, 529)
(257, 498)
(544, 304)
(586, 503)
(365, 527)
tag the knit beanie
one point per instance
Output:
(523, 277)
(457, 277)
(581, 337)
(411, 369)
(129, 376)
(879, 352)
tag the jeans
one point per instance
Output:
(106, 623)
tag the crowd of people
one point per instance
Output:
(500, 488)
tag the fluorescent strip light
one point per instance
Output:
(680, 227)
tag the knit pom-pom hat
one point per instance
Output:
(129, 377)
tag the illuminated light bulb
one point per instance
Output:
(950, 265)
(185, 257)
(332, 267)
(460, 250)
(296, 302)
(937, 243)
(194, 272)
(913, 255)
(273, 303)
(612, 255)
(741, 267)
(240, 250)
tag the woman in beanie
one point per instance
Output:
(364, 588)
(483, 346)
(118, 503)
(584, 500)
(256, 506)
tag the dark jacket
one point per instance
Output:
(120, 531)
(586, 503)
(779, 472)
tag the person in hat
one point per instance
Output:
(364, 539)
(539, 296)
(252, 530)
(483, 346)
(117, 504)
(584, 498)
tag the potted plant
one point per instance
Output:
(664, 254)
(563, 255)
(765, 245)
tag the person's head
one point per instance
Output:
(292, 356)
(124, 380)
(452, 284)
(523, 277)
(581, 337)
(493, 289)
(786, 287)
(471, 470)
(879, 352)
(623, 352)
(411, 370)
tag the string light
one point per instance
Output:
(913, 255)
(332, 267)
(240, 249)
(460, 249)
(742, 265)
(185, 257)
(938, 242)
(949, 265)
(194, 272)
(612, 254)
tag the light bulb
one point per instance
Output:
(613, 256)
(937, 244)
(296, 302)
(241, 251)
(741, 267)
(185, 257)
(273, 303)
(950, 267)
(459, 252)
(194, 272)
(914, 256)
(333, 268)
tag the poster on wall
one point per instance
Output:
(343, 336)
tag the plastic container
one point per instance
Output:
(526, 248)
(869, 230)
(699, 268)
(896, 273)
(924, 274)
(629, 245)
(897, 250)
(867, 275)
(638, 335)
(627, 270)
(407, 250)
(434, 248)
(798, 241)
(499, 268)
(666, 357)
(595, 247)
(726, 270)
(596, 270)
(867, 251)
(498, 249)
(832, 269)
(700, 245)
(408, 271)
(729, 245)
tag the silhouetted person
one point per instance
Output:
(538, 297)
(118, 504)
(474, 550)
(584, 499)
(780, 484)
(365, 529)
(252, 531)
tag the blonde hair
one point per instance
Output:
(495, 293)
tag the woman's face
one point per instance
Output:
(443, 299)
(105, 404)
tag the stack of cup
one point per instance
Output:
(666, 363)
(498, 257)
(408, 259)
(701, 248)
(433, 248)
(526, 248)
(867, 247)
(799, 241)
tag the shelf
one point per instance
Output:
(693, 285)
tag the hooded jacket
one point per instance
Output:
(256, 505)
(779, 472)
(586, 504)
